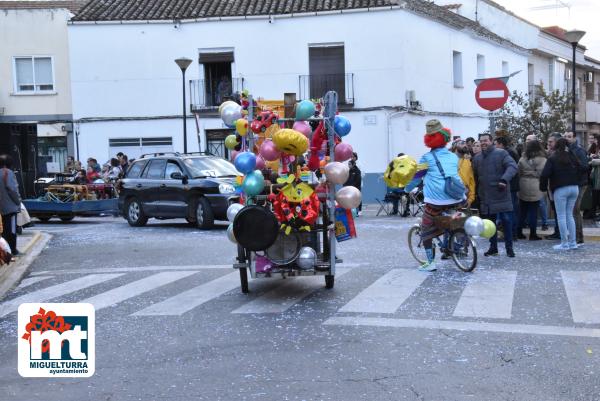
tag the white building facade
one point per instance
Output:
(129, 96)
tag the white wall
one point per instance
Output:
(34, 33)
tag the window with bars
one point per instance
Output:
(33, 74)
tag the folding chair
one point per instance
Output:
(387, 204)
(417, 201)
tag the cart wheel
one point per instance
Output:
(329, 280)
(244, 279)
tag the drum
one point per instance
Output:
(286, 248)
(255, 228)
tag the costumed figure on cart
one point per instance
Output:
(443, 188)
(296, 206)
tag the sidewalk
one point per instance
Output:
(30, 245)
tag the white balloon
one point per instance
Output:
(337, 173)
(307, 258)
(233, 210)
(225, 104)
(348, 197)
(230, 113)
(230, 234)
(474, 226)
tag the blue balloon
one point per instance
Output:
(342, 125)
(245, 162)
(305, 110)
(254, 183)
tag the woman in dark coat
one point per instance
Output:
(10, 202)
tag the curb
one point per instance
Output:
(10, 275)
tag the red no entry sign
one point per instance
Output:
(491, 94)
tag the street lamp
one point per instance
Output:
(184, 63)
(573, 37)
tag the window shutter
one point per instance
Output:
(24, 73)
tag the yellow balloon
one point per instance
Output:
(241, 126)
(291, 141)
(231, 142)
(400, 172)
(489, 229)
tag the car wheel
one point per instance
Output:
(203, 213)
(44, 219)
(67, 218)
(134, 213)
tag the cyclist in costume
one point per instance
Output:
(434, 168)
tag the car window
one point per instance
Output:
(172, 167)
(156, 169)
(136, 169)
(210, 167)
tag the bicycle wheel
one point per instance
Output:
(415, 244)
(463, 250)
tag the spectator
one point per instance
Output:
(465, 169)
(550, 150)
(10, 202)
(494, 168)
(114, 171)
(563, 170)
(530, 168)
(124, 162)
(581, 155)
(81, 178)
(475, 149)
(594, 160)
(355, 177)
(93, 163)
(503, 142)
(92, 175)
(72, 166)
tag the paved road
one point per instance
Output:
(173, 325)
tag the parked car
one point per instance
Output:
(197, 187)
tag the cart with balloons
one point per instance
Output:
(293, 208)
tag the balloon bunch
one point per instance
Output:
(477, 227)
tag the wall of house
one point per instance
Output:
(34, 33)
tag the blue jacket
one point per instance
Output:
(433, 189)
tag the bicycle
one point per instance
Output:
(460, 245)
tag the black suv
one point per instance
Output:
(197, 187)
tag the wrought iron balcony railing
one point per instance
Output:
(315, 86)
(210, 94)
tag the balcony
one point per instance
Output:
(592, 109)
(208, 95)
(315, 86)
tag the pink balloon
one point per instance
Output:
(304, 127)
(260, 163)
(233, 155)
(343, 152)
(269, 151)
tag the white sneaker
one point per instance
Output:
(561, 247)
(427, 267)
(574, 246)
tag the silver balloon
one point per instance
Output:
(233, 210)
(474, 226)
(337, 173)
(307, 258)
(230, 234)
(230, 113)
(348, 197)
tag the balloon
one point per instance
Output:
(337, 173)
(245, 162)
(273, 165)
(342, 152)
(233, 155)
(231, 113)
(474, 226)
(348, 197)
(260, 163)
(232, 210)
(303, 127)
(225, 104)
(230, 234)
(305, 110)
(253, 183)
(489, 229)
(241, 126)
(307, 258)
(269, 151)
(290, 141)
(231, 142)
(342, 125)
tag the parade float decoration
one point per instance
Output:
(292, 161)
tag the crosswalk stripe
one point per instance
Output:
(488, 294)
(387, 293)
(287, 294)
(55, 291)
(583, 293)
(130, 290)
(32, 280)
(192, 298)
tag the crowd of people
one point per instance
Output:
(111, 171)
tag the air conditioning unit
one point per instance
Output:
(588, 77)
(411, 100)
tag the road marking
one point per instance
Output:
(192, 298)
(387, 293)
(488, 294)
(463, 326)
(583, 293)
(32, 280)
(491, 94)
(292, 291)
(55, 291)
(130, 290)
